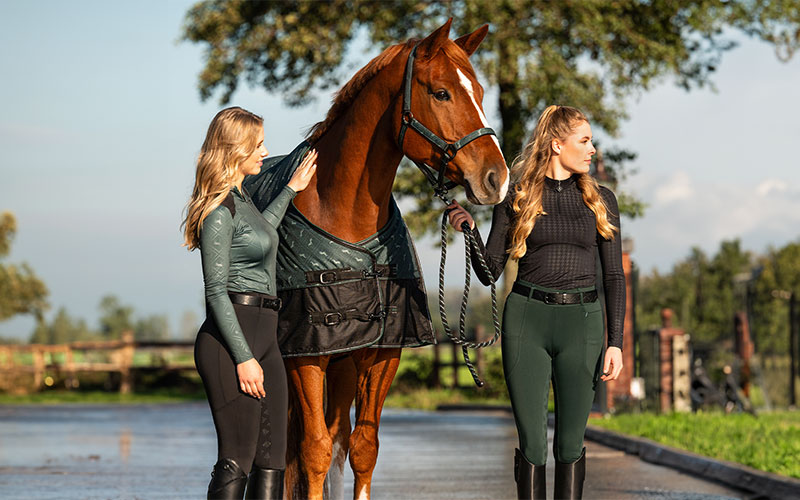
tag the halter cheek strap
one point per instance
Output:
(449, 150)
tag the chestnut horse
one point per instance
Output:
(349, 197)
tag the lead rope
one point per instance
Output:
(469, 245)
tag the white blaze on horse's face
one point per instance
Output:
(467, 84)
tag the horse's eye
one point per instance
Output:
(441, 95)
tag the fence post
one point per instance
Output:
(479, 359)
(125, 361)
(792, 348)
(437, 381)
(454, 364)
(38, 368)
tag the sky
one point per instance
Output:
(101, 122)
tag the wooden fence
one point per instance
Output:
(115, 356)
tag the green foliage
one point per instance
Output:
(700, 291)
(770, 442)
(153, 327)
(61, 330)
(591, 55)
(779, 275)
(21, 291)
(704, 294)
(115, 317)
(415, 369)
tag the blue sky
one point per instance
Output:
(101, 121)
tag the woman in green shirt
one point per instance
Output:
(236, 350)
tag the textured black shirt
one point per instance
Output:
(562, 248)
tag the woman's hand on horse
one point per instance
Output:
(612, 366)
(302, 176)
(458, 215)
(251, 378)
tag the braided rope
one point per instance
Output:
(470, 245)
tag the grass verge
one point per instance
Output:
(101, 397)
(768, 442)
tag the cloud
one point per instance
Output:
(677, 188)
(684, 214)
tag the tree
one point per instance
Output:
(115, 317)
(21, 291)
(701, 292)
(153, 327)
(780, 272)
(61, 330)
(588, 54)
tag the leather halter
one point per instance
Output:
(448, 149)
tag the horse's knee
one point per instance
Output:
(316, 452)
(363, 449)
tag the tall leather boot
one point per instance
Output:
(227, 481)
(265, 484)
(531, 482)
(569, 478)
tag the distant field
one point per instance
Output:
(101, 397)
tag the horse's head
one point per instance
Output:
(446, 98)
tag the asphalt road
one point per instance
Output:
(166, 451)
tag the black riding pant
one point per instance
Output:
(543, 342)
(249, 431)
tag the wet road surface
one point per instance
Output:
(167, 451)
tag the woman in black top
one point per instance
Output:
(556, 220)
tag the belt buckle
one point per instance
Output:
(323, 274)
(332, 319)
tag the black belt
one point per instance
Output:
(245, 299)
(554, 297)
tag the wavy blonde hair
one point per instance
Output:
(231, 138)
(556, 122)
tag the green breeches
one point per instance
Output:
(564, 343)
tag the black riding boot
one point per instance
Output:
(569, 478)
(265, 484)
(227, 481)
(531, 483)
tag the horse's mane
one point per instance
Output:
(347, 94)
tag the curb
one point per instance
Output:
(763, 484)
(730, 473)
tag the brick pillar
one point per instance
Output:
(621, 388)
(665, 358)
(744, 349)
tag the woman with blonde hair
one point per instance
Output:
(555, 221)
(236, 351)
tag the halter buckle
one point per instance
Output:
(407, 116)
(449, 153)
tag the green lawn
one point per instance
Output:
(769, 442)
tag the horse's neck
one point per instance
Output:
(358, 159)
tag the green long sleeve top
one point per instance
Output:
(238, 246)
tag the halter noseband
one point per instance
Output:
(448, 150)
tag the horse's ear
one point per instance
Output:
(471, 41)
(428, 47)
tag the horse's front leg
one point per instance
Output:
(341, 389)
(307, 379)
(376, 369)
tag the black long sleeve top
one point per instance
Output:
(562, 248)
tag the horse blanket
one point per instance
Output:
(340, 296)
